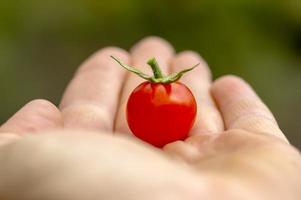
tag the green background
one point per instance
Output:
(42, 43)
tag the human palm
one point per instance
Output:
(84, 149)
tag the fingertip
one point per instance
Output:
(45, 105)
(229, 86)
(229, 82)
(190, 58)
(113, 51)
(44, 109)
(152, 46)
(192, 55)
(153, 42)
(228, 79)
(102, 58)
(36, 115)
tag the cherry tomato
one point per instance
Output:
(161, 113)
(161, 110)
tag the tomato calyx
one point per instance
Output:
(158, 76)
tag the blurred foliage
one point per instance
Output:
(42, 43)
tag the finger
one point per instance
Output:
(208, 119)
(242, 108)
(91, 98)
(141, 52)
(35, 116)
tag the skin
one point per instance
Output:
(84, 149)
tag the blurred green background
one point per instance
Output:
(43, 42)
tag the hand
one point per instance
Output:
(84, 149)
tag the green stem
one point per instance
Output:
(158, 77)
(156, 69)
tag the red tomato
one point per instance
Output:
(160, 110)
(161, 113)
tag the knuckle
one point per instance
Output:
(245, 107)
(87, 116)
